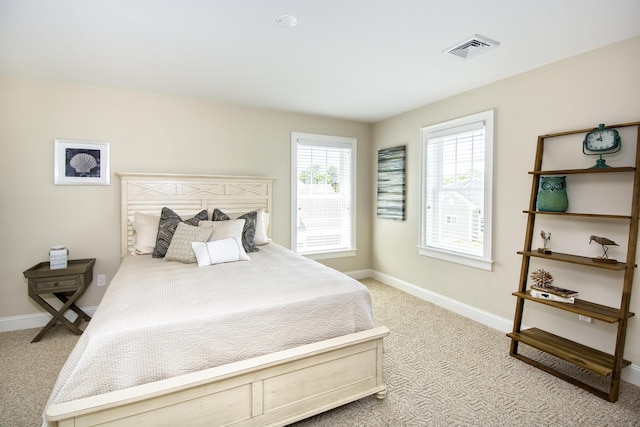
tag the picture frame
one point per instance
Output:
(391, 183)
(81, 162)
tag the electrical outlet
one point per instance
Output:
(102, 280)
(584, 318)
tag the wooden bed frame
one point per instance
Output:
(271, 390)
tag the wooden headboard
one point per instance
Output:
(148, 193)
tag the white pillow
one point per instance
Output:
(219, 251)
(261, 230)
(224, 229)
(262, 224)
(202, 254)
(145, 229)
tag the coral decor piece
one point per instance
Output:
(541, 278)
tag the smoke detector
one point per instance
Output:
(287, 21)
(474, 45)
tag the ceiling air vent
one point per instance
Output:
(471, 47)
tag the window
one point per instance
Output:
(456, 180)
(323, 195)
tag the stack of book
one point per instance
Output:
(553, 293)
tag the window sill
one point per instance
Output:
(483, 264)
(330, 254)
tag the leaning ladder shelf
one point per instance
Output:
(598, 362)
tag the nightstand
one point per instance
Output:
(67, 284)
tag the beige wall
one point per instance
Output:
(601, 86)
(151, 133)
(148, 133)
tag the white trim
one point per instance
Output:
(360, 274)
(473, 313)
(29, 321)
(464, 259)
(330, 254)
(630, 374)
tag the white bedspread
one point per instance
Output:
(160, 319)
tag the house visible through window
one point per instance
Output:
(456, 190)
(323, 195)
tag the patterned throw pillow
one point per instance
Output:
(169, 221)
(249, 230)
(180, 248)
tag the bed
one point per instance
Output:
(171, 344)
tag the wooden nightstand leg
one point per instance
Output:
(44, 330)
(67, 304)
(58, 315)
(81, 314)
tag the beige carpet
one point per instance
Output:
(441, 369)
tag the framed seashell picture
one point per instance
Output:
(81, 162)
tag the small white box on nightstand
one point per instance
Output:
(58, 257)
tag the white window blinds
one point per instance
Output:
(455, 189)
(324, 194)
(456, 198)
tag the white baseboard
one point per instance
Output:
(630, 374)
(360, 274)
(16, 323)
(456, 306)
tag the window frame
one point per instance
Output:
(328, 141)
(484, 261)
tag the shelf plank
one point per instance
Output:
(586, 308)
(611, 397)
(583, 171)
(586, 215)
(580, 355)
(575, 259)
(574, 132)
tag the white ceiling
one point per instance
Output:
(364, 60)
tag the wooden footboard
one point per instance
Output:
(270, 390)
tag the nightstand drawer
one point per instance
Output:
(55, 284)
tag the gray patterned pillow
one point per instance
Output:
(169, 221)
(249, 230)
(180, 248)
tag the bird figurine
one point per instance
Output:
(546, 237)
(604, 242)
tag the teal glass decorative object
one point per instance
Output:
(552, 194)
